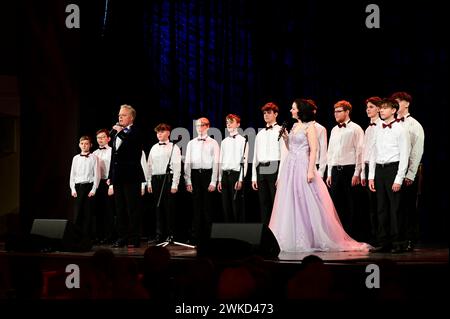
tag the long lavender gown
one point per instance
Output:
(303, 216)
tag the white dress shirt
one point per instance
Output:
(84, 170)
(321, 156)
(345, 147)
(104, 160)
(417, 139)
(391, 145)
(202, 155)
(369, 141)
(158, 159)
(267, 148)
(231, 151)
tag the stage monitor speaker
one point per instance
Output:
(241, 239)
(59, 235)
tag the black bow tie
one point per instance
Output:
(102, 148)
(401, 120)
(269, 127)
(85, 155)
(342, 125)
(126, 130)
(389, 125)
(373, 124)
(201, 139)
(162, 143)
(234, 136)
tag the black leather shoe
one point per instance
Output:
(120, 243)
(409, 246)
(380, 249)
(397, 250)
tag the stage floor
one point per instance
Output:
(421, 255)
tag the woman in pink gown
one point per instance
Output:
(303, 216)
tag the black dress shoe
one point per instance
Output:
(380, 249)
(409, 246)
(120, 243)
(397, 250)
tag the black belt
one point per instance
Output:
(387, 164)
(265, 164)
(229, 171)
(161, 175)
(341, 167)
(202, 170)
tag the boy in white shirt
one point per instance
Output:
(411, 182)
(84, 180)
(344, 164)
(201, 170)
(370, 201)
(231, 174)
(387, 169)
(267, 160)
(158, 159)
(104, 204)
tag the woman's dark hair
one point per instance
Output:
(306, 110)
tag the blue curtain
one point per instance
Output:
(200, 57)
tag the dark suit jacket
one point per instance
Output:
(126, 161)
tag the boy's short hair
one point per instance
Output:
(204, 121)
(344, 104)
(162, 127)
(86, 138)
(270, 107)
(233, 117)
(391, 103)
(103, 130)
(402, 96)
(375, 100)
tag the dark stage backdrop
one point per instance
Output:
(177, 60)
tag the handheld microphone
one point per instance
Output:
(179, 138)
(113, 130)
(283, 128)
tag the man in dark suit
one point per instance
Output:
(126, 176)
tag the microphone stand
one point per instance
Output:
(170, 238)
(241, 169)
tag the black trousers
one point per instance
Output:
(343, 195)
(84, 209)
(390, 220)
(233, 209)
(202, 204)
(409, 210)
(104, 212)
(267, 175)
(165, 213)
(370, 208)
(129, 211)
